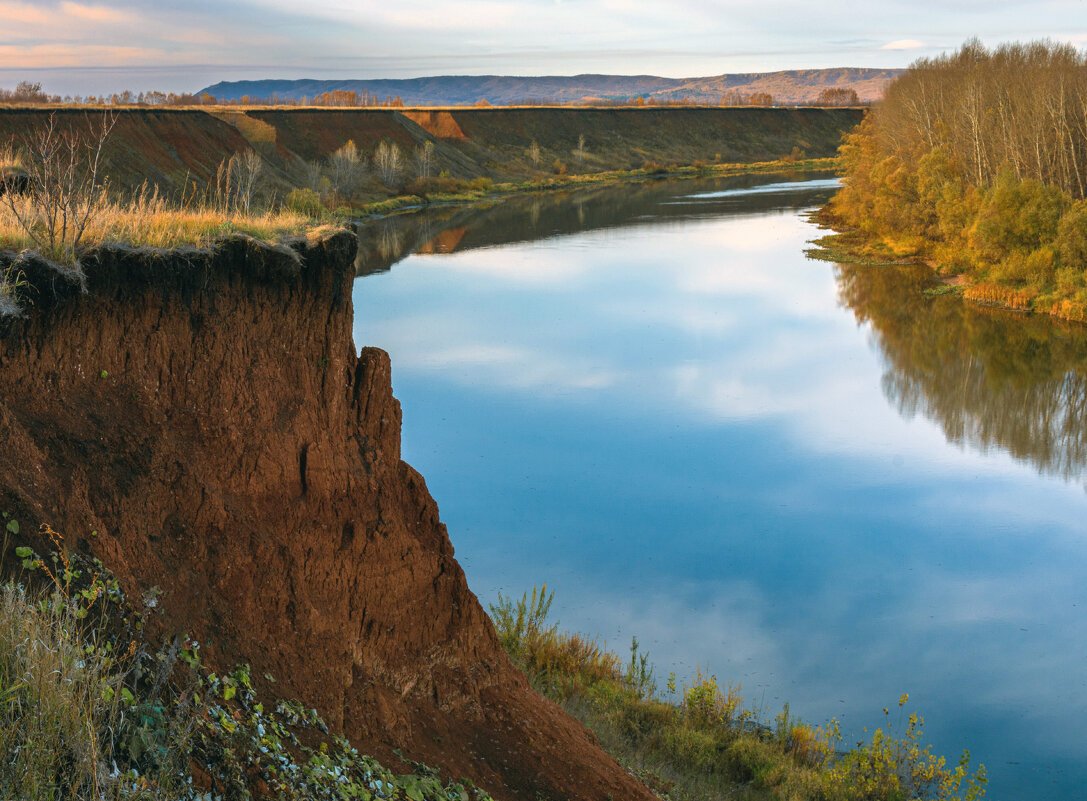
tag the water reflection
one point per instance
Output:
(990, 379)
(653, 402)
(451, 229)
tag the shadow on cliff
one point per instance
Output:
(201, 422)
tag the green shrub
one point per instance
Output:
(305, 201)
(1072, 237)
(890, 768)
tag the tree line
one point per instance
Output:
(28, 92)
(1021, 107)
(977, 161)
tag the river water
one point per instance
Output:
(811, 480)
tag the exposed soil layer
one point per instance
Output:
(202, 422)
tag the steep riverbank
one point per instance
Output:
(179, 150)
(201, 422)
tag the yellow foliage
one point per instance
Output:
(997, 295)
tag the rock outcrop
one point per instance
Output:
(202, 422)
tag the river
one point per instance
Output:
(812, 480)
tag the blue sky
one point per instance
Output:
(91, 46)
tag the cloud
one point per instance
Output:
(95, 13)
(904, 44)
(72, 55)
(518, 37)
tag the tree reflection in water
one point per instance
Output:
(991, 379)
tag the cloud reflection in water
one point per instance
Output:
(671, 419)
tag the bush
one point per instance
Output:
(306, 202)
(1017, 216)
(890, 768)
(1072, 238)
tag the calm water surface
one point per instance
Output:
(807, 479)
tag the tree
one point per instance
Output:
(424, 159)
(346, 169)
(534, 154)
(838, 96)
(63, 190)
(580, 151)
(387, 161)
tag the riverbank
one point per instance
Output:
(846, 245)
(1004, 209)
(183, 151)
(152, 220)
(491, 192)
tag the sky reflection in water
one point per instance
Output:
(673, 421)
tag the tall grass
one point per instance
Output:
(61, 704)
(148, 219)
(10, 158)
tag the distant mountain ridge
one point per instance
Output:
(788, 86)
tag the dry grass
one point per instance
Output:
(152, 221)
(10, 158)
(55, 701)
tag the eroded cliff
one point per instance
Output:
(202, 422)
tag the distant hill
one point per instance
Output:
(788, 87)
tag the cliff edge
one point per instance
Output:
(200, 421)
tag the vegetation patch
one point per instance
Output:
(88, 710)
(975, 163)
(701, 743)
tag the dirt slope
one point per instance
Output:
(208, 417)
(174, 148)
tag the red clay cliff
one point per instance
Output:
(207, 415)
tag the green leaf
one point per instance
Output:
(24, 552)
(127, 696)
(13, 527)
(229, 692)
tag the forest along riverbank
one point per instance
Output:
(980, 175)
(803, 510)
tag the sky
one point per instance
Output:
(92, 46)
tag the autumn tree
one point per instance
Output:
(347, 167)
(424, 159)
(387, 161)
(838, 96)
(977, 161)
